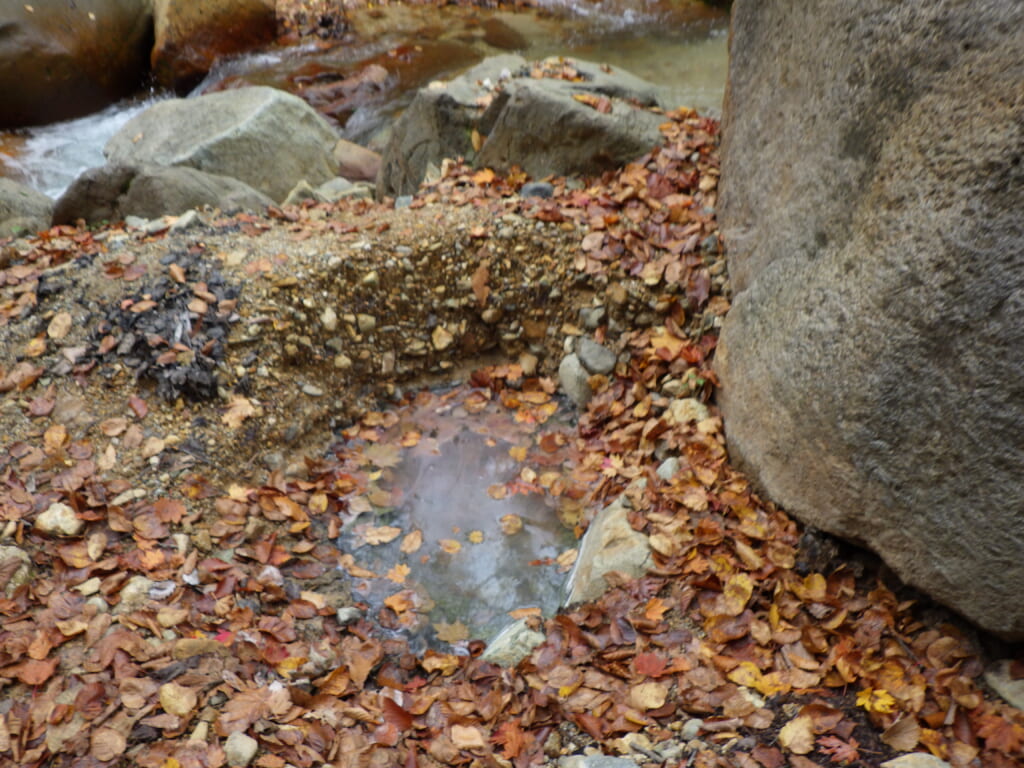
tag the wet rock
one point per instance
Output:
(872, 357)
(269, 139)
(22, 209)
(191, 36)
(610, 544)
(60, 60)
(15, 569)
(116, 192)
(574, 380)
(594, 357)
(335, 189)
(686, 409)
(998, 676)
(513, 644)
(537, 189)
(668, 468)
(59, 520)
(592, 317)
(356, 162)
(536, 124)
(240, 749)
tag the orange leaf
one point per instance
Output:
(655, 609)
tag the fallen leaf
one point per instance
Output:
(59, 326)
(177, 699)
(398, 573)
(451, 546)
(468, 737)
(239, 409)
(903, 735)
(648, 696)
(381, 535)
(876, 700)
(451, 633)
(106, 744)
(412, 541)
(840, 751)
(511, 524)
(798, 735)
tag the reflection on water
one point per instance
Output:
(480, 557)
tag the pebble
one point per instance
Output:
(594, 357)
(185, 221)
(575, 380)
(59, 519)
(595, 761)
(403, 201)
(536, 189)
(1002, 682)
(513, 644)
(366, 323)
(240, 749)
(134, 594)
(329, 320)
(349, 614)
(668, 468)
(312, 390)
(691, 729)
(592, 317)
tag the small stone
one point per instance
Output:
(403, 201)
(59, 519)
(537, 189)
(89, 586)
(342, 362)
(668, 468)
(575, 380)
(513, 644)
(528, 362)
(185, 221)
(491, 315)
(366, 323)
(134, 594)
(371, 278)
(240, 749)
(916, 760)
(691, 729)
(312, 390)
(349, 614)
(595, 358)
(329, 320)
(592, 317)
(22, 573)
(998, 676)
(59, 326)
(441, 338)
(177, 699)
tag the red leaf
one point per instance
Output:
(138, 405)
(649, 664)
(838, 750)
(33, 671)
(511, 737)
(396, 715)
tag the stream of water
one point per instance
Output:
(677, 44)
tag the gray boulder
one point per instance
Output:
(871, 198)
(23, 210)
(267, 138)
(113, 192)
(537, 124)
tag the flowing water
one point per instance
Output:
(677, 44)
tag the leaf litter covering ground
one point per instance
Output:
(128, 646)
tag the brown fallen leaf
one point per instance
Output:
(648, 696)
(468, 737)
(239, 409)
(106, 744)
(798, 735)
(903, 735)
(451, 633)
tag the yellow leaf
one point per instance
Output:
(746, 674)
(451, 546)
(511, 524)
(382, 534)
(655, 609)
(876, 700)
(445, 663)
(483, 176)
(451, 633)
(798, 735)
(648, 696)
(476, 537)
(737, 591)
(517, 452)
(412, 541)
(398, 573)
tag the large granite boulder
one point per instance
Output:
(871, 198)
(558, 117)
(267, 138)
(23, 210)
(191, 36)
(113, 192)
(60, 60)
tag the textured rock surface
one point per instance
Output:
(533, 123)
(15, 569)
(190, 36)
(59, 520)
(269, 139)
(112, 192)
(60, 59)
(22, 209)
(610, 544)
(513, 644)
(871, 364)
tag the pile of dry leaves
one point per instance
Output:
(208, 626)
